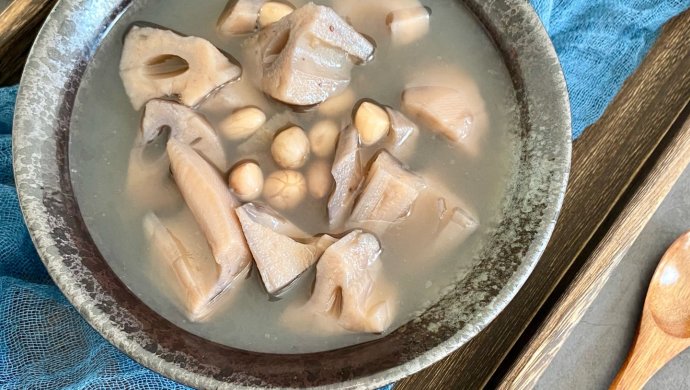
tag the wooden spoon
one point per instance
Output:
(665, 325)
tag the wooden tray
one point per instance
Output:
(623, 166)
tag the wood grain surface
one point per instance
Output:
(646, 198)
(606, 160)
(19, 24)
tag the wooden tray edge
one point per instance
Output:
(636, 210)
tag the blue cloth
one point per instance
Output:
(599, 44)
(45, 344)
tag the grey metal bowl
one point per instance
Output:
(42, 129)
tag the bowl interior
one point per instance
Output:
(42, 124)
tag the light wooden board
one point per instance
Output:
(606, 161)
(580, 294)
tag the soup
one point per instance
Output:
(276, 218)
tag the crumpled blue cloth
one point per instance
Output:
(600, 43)
(44, 342)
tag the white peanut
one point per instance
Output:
(284, 190)
(246, 181)
(372, 123)
(290, 148)
(323, 138)
(242, 123)
(319, 179)
(338, 104)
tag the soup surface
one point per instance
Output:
(105, 126)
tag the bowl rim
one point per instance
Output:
(37, 217)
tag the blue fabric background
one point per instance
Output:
(45, 344)
(600, 43)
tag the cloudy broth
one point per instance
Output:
(105, 125)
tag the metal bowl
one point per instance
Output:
(45, 104)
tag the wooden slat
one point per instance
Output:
(19, 23)
(606, 159)
(563, 317)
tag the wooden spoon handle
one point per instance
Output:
(636, 371)
(652, 349)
